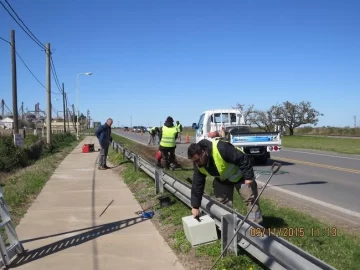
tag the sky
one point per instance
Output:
(153, 59)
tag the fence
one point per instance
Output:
(272, 251)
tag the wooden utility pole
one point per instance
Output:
(14, 82)
(48, 84)
(63, 92)
(22, 110)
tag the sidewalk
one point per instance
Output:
(62, 229)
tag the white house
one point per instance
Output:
(8, 123)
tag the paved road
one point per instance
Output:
(324, 178)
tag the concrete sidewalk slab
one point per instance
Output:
(62, 229)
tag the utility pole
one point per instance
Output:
(67, 112)
(48, 84)
(354, 121)
(63, 92)
(88, 119)
(75, 128)
(22, 110)
(14, 82)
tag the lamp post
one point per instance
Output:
(77, 106)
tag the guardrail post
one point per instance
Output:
(136, 162)
(123, 153)
(228, 229)
(159, 183)
(113, 145)
(117, 148)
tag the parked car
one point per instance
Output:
(126, 129)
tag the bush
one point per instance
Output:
(12, 157)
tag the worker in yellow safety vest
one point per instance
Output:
(153, 131)
(230, 167)
(168, 136)
(179, 129)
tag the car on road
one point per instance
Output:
(126, 128)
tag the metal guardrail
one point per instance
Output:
(272, 251)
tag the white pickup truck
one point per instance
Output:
(257, 145)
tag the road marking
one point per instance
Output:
(318, 165)
(318, 154)
(328, 205)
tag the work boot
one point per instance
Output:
(106, 166)
(101, 168)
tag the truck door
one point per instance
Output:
(200, 132)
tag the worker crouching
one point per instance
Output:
(231, 169)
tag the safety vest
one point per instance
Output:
(168, 136)
(179, 127)
(226, 170)
(152, 129)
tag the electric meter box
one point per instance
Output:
(199, 232)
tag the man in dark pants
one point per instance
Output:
(168, 136)
(231, 169)
(153, 131)
(103, 133)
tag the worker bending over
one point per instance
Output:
(153, 131)
(168, 136)
(231, 169)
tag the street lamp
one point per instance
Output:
(77, 107)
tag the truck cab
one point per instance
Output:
(229, 125)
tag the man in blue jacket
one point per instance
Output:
(103, 133)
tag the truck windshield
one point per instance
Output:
(223, 118)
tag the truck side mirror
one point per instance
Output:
(194, 126)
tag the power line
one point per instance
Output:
(3, 39)
(17, 16)
(38, 43)
(27, 67)
(53, 70)
(34, 38)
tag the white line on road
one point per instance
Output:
(306, 198)
(318, 154)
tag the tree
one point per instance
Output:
(266, 120)
(293, 115)
(246, 112)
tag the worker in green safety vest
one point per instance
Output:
(179, 129)
(153, 131)
(230, 167)
(168, 136)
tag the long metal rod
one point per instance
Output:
(266, 249)
(273, 171)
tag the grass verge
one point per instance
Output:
(339, 145)
(168, 221)
(332, 245)
(21, 187)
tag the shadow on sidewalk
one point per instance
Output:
(93, 233)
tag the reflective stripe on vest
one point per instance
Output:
(226, 170)
(168, 136)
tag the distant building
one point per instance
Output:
(8, 123)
